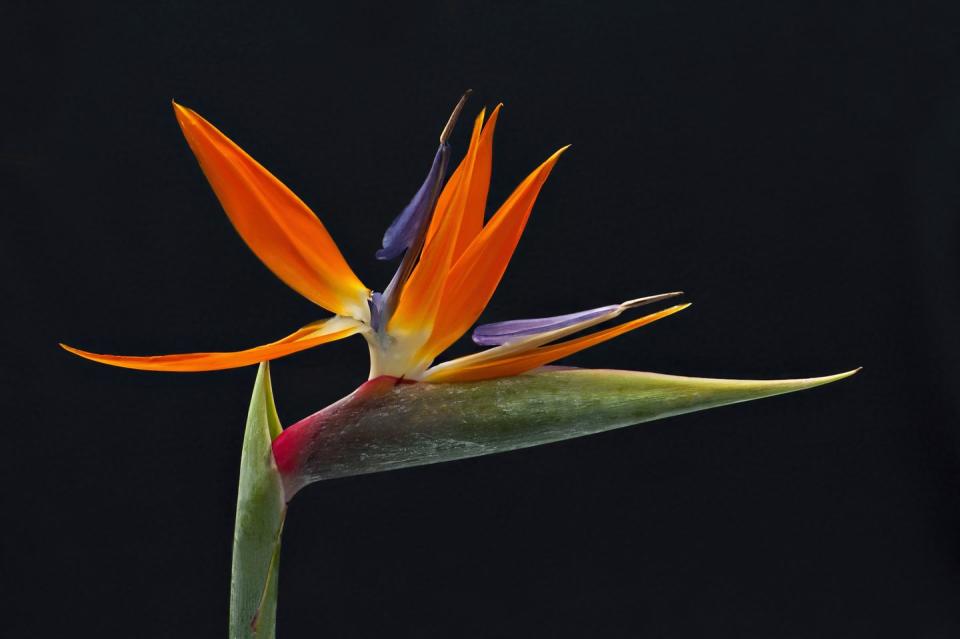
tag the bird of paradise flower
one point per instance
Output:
(413, 411)
(431, 301)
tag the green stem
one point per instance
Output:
(261, 509)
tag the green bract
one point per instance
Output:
(387, 424)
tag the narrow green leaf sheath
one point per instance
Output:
(260, 512)
(388, 423)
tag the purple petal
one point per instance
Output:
(376, 310)
(406, 227)
(500, 332)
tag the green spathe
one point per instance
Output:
(385, 425)
(260, 512)
(388, 424)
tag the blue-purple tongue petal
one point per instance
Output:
(408, 232)
(376, 310)
(408, 229)
(403, 231)
(501, 332)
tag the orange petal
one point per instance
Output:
(421, 294)
(476, 200)
(475, 276)
(277, 226)
(516, 364)
(307, 337)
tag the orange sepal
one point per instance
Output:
(307, 337)
(475, 276)
(478, 175)
(277, 226)
(515, 364)
(420, 298)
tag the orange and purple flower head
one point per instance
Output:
(452, 259)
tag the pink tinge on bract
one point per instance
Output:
(293, 445)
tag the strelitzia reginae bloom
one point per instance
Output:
(414, 411)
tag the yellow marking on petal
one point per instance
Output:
(526, 361)
(475, 276)
(277, 226)
(421, 294)
(307, 337)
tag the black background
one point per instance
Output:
(793, 166)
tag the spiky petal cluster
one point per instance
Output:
(453, 260)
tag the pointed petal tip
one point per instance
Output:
(552, 160)
(181, 111)
(454, 116)
(93, 357)
(185, 116)
(649, 299)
